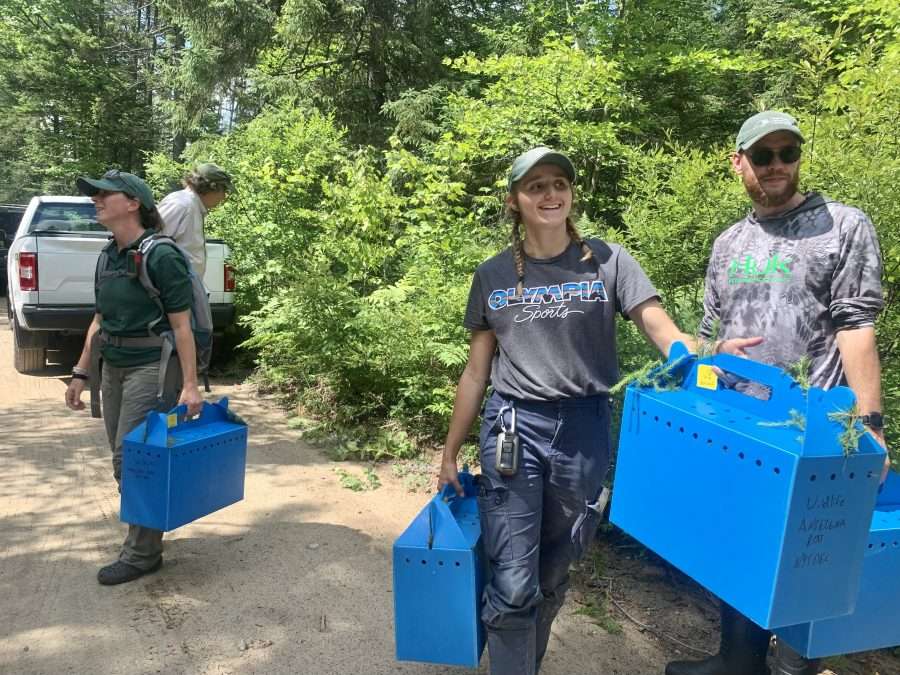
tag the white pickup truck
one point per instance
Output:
(50, 274)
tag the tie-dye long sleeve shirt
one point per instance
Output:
(796, 280)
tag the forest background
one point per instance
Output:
(369, 141)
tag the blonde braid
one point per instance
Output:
(572, 231)
(518, 254)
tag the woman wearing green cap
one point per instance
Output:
(542, 320)
(130, 381)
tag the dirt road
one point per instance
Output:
(294, 579)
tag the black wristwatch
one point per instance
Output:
(874, 420)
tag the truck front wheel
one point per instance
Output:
(26, 359)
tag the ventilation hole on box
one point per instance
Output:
(776, 470)
(440, 563)
(408, 560)
(644, 413)
(656, 418)
(883, 544)
(812, 479)
(424, 562)
(669, 423)
(741, 455)
(724, 448)
(681, 429)
(456, 563)
(852, 475)
(695, 435)
(896, 544)
(731, 421)
(833, 476)
(870, 474)
(871, 545)
(759, 462)
(709, 441)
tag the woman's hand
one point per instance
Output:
(449, 475)
(191, 397)
(73, 394)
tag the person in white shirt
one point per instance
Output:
(184, 211)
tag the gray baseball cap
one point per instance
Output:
(118, 181)
(539, 155)
(763, 124)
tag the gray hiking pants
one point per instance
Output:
(128, 394)
(536, 523)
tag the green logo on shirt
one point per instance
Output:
(747, 270)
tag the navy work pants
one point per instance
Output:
(537, 522)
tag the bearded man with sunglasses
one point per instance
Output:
(803, 273)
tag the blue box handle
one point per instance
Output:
(159, 425)
(772, 377)
(440, 514)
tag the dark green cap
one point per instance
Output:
(763, 124)
(215, 174)
(118, 181)
(539, 155)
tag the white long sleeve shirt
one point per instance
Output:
(183, 214)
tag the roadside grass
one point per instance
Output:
(593, 603)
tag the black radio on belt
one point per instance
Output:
(507, 463)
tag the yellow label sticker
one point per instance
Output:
(172, 420)
(706, 377)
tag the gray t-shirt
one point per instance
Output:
(558, 340)
(796, 280)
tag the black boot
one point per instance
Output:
(785, 661)
(742, 650)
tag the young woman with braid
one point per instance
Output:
(542, 320)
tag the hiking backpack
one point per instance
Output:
(201, 314)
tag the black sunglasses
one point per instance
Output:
(117, 174)
(764, 156)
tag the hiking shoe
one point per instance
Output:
(121, 572)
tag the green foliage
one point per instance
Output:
(350, 481)
(796, 420)
(369, 143)
(800, 372)
(853, 429)
(595, 602)
(417, 475)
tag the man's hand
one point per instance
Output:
(736, 346)
(191, 397)
(73, 394)
(449, 475)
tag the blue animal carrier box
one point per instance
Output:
(439, 575)
(875, 623)
(175, 470)
(754, 499)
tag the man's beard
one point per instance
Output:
(772, 197)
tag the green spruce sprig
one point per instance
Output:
(797, 420)
(800, 372)
(849, 439)
(656, 374)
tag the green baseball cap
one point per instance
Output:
(118, 181)
(763, 124)
(215, 174)
(539, 155)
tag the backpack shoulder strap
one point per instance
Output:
(101, 272)
(145, 248)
